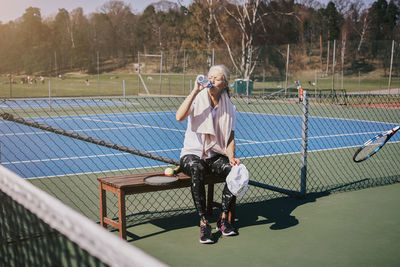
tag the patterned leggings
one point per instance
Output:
(196, 168)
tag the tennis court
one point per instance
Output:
(39, 161)
(320, 229)
(355, 229)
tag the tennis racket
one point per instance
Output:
(373, 145)
(162, 179)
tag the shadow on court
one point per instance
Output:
(276, 212)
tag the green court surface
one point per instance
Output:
(356, 228)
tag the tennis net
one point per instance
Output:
(38, 230)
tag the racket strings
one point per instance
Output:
(371, 148)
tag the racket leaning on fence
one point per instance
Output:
(373, 145)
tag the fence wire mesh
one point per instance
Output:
(268, 136)
(375, 66)
(38, 230)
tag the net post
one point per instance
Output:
(304, 145)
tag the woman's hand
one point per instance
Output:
(184, 109)
(198, 87)
(234, 161)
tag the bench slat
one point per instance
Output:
(135, 182)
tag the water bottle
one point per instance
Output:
(204, 81)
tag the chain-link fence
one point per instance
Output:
(286, 145)
(318, 67)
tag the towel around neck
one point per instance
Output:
(215, 131)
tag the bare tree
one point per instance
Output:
(209, 25)
(248, 17)
(357, 21)
(315, 4)
(342, 5)
(364, 30)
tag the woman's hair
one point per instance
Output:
(223, 69)
(225, 72)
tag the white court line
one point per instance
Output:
(136, 114)
(84, 130)
(316, 150)
(250, 142)
(318, 117)
(155, 166)
(69, 117)
(85, 157)
(175, 149)
(137, 125)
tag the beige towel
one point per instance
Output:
(215, 133)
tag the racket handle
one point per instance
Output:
(177, 170)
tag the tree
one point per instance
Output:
(63, 40)
(82, 41)
(200, 30)
(334, 21)
(283, 22)
(384, 18)
(120, 18)
(391, 19)
(247, 15)
(10, 56)
(147, 31)
(32, 42)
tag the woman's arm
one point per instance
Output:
(184, 110)
(230, 150)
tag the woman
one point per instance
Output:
(209, 145)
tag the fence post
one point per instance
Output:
(98, 74)
(333, 65)
(303, 174)
(49, 94)
(161, 63)
(11, 81)
(391, 65)
(123, 89)
(287, 68)
(184, 70)
(138, 56)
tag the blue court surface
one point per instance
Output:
(57, 103)
(34, 153)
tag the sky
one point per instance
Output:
(13, 9)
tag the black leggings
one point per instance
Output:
(197, 168)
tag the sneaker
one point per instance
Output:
(225, 227)
(205, 234)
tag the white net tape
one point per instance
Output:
(97, 241)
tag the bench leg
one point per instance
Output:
(103, 204)
(122, 217)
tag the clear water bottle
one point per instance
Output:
(204, 81)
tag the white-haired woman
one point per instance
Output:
(209, 145)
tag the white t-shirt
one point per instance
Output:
(192, 143)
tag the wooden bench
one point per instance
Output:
(133, 184)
